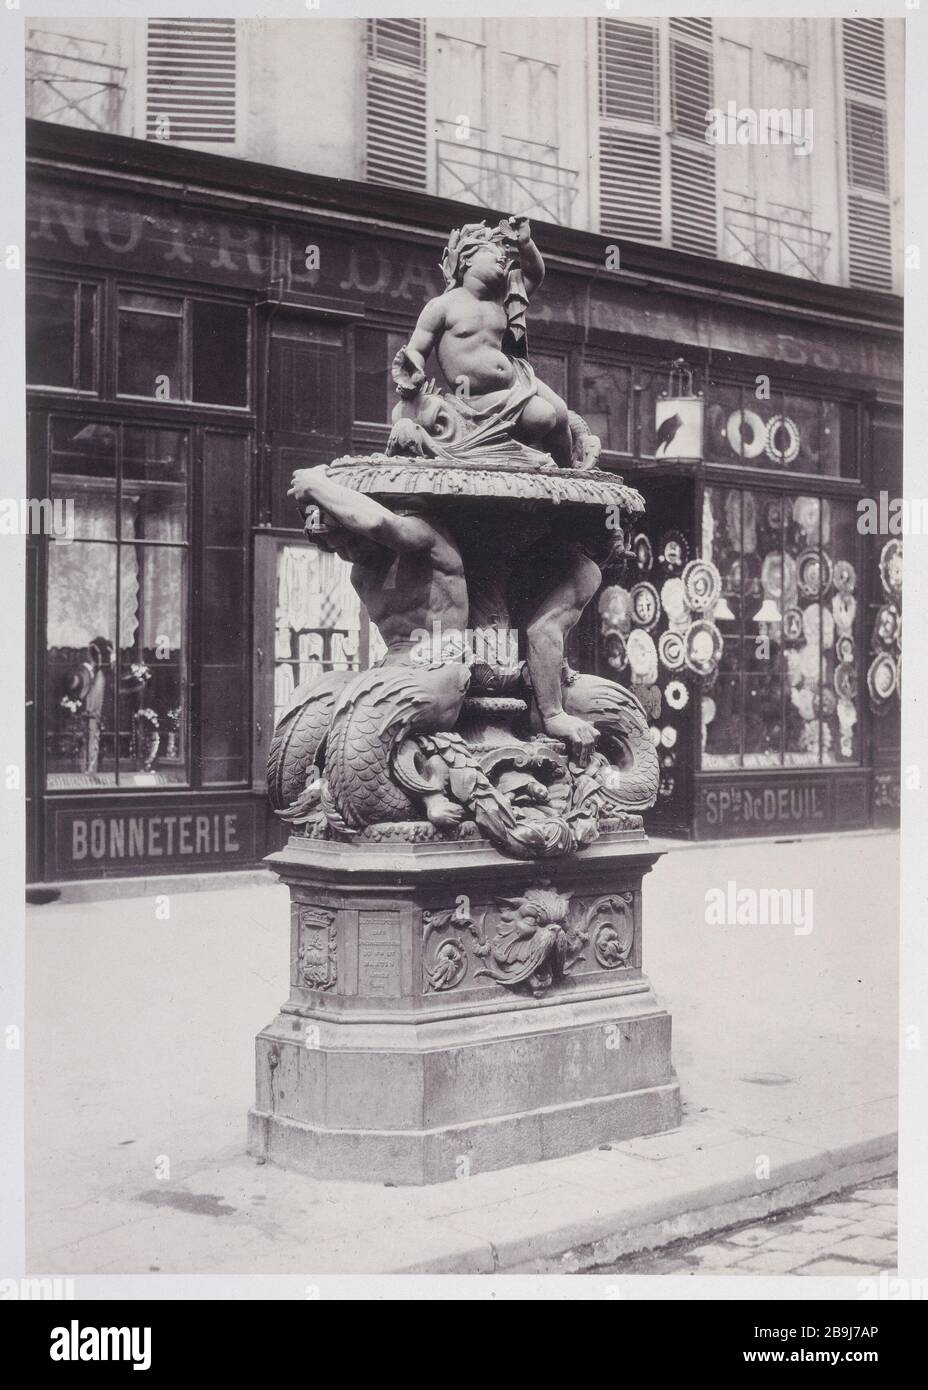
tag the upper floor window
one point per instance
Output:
(172, 348)
(869, 221)
(656, 171)
(396, 149)
(190, 89)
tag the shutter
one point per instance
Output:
(870, 262)
(864, 57)
(692, 201)
(866, 147)
(692, 28)
(400, 41)
(630, 184)
(690, 88)
(869, 220)
(396, 141)
(693, 213)
(628, 71)
(190, 80)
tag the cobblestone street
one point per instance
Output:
(853, 1233)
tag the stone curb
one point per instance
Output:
(632, 1222)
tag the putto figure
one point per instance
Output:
(477, 330)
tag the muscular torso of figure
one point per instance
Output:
(408, 591)
(470, 345)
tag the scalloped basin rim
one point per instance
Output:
(389, 474)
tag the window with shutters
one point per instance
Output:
(190, 85)
(656, 171)
(396, 132)
(869, 222)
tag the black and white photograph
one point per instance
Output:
(459, 784)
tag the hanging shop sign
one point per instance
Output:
(679, 417)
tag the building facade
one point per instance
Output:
(216, 292)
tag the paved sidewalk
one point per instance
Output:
(140, 1071)
(852, 1234)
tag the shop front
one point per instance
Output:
(199, 326)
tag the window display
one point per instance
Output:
(116, 678)
(783, 430)
(785, 692)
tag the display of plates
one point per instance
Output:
(783, 453)
(845, 576)
(615, 610)
(641, 548)
(844, 611)
(881, 677)
(844, 647)
(668, 736)
(778, 573)
(888, 624)
(746, 433)
(792, 624)
(650, 697)
(702, 585)
(646, 605)
(825, 702)
(744, 573)
(813, 573)
(845, 681)
(773, 514)
(673, 600)
(807, 514)
(818, 625)
(891, 568)
(615, 650)
(674, 550)
(702, 647)
(810, 663)
(676, 695)
(670, 650)
(642, 656)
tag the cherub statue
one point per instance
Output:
(477, 330)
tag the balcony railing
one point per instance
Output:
(774, 243)
(493, 179)
(67, 81)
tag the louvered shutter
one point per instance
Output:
(396, 143)
(864, 57)
(190, 80)
(628, 71)
(692, 28)
(630, 189)
(693, 213)
(630, 184)
(869, 220)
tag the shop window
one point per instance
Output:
(226, 648)
(605, 391)
(374, 391)
(790, 432)
(317, 620)
(172, 349)
(116, 673)
(61, 326)
(785, 692)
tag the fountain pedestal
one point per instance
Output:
(452, 1010)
